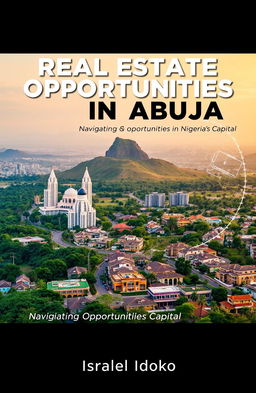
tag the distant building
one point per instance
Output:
(164, 273)
(76, 304)
(121, 227)
(22, 283)
(76, 204)
(236, 302)
(217, 234)
(164, 296)
(166, 217)
(30, 239)
(124, 275)
(155, 199)
(178, 198)
(5, 286)
(69, 288)
(154, 227)
(131, 243)
(235, 274)
(145, 302)
(174, 248)
(199, 290)
(76, 271)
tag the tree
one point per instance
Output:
(158, 256)
(194, 278)
(194, 296)
(10, 272)
(183, 266)
(106, 225)
(181, 300)
(43, 273)
(17, 306)
(90, 277)
(172, 224)
(201, 301)
(203, 269)
(219, 294)
(187, 311)
(217, 317)
(108, 299)
(57, 267)
(237, 242)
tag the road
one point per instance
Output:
(101, 290)
(57, 238)
(203, 277)
(131, 195)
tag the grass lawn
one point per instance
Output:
(107, 201)
(159, 243)
(25, 269)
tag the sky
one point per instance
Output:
(52, 124)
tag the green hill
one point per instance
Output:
(114, 169)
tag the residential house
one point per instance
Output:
(22, 283)
(154, 227)
(145, 302)
(120, 227)
(236, 275)
(124, 275)
(236, 302)
(5, 286)
(69, 288)
(30, 239)
(198, 289)
(76, 271)
(164, 273)
(164, 296)
(131, 243)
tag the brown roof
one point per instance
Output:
(5, 284)
(76, 270)
(138, 301)
(22, 277)
(168, 275)
(77, 303)
(21, 286)
(159, 267)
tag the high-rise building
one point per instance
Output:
(178, 199)
(155, 199)
(82, 214)
(87, 185)
(51, 193)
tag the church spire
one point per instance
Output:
(87, 185)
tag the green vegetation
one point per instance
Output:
(17, 306)
(116, 169)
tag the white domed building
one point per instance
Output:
(76, 204)
(69, 198)
(82, 214)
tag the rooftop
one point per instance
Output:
(67, 284)
(163, 289)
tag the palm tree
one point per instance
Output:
(201, 301)
(194, 296)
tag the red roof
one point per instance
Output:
(230, 306)
(240, 297)
(121, 226)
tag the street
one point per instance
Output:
(202, 277)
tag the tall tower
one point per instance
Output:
(51, 193)
(87, 185)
